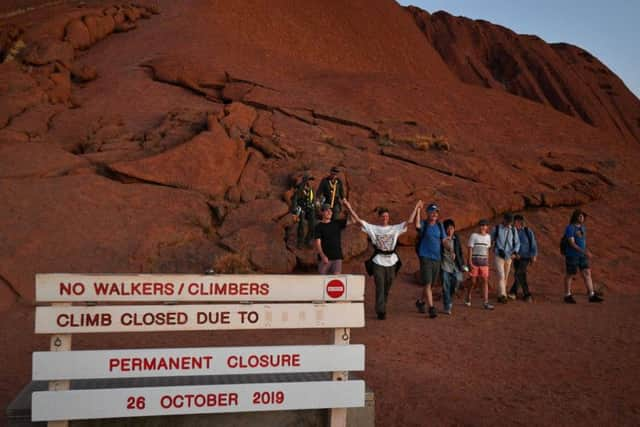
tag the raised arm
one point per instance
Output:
(420, 205)
(354, 215)
(415, 211)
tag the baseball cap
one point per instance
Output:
(432, 208)
(335, 169)
(325, 207)
(484, 222)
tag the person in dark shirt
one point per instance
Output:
(328, 242)
(331, 191)
(526, 256)
(577, 257)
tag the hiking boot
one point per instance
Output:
(512, 296)
(382, 316)
(528, 298)
(488, 306)
(595, 298)
(433, 313)
(502, 299)
(420, 305)
(569, 299)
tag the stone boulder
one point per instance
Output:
(77, 33)
(210, 163)
(47, 51)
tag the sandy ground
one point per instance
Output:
(544, 363)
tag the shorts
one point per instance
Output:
(573, 263)
(332, 267)
(429, 271)
(480, 271)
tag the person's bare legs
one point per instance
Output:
(427, 295)
(588, 282)
(485, 289)
(567, 284)
(470, 288)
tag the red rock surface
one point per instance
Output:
(560, 75)
(171, 148)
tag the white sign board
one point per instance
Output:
(138, 402)
(146, 318)
(72, 365)
(191, 287)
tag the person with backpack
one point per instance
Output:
(331, 191)
(385, 262)
(303, 208)
(479, 245)
(452, 265)
(577, 256)
(431, 235)
(526, 256)
(507, 245)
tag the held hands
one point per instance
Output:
(420, 204)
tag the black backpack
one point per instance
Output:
(564, 244)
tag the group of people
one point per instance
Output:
(439, 249)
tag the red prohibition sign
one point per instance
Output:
(335, 288)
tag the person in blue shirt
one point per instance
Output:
(432, 235)
(506, 243)
(577, 257)
(527, 255)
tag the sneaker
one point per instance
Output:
(569, 299)
(447, 310)
(433, 313)
(420, 305)
(502, 299)
(595, 298)
(488, 306)
(512, 296)
(528, 298)
(467, 302)
(382, 316)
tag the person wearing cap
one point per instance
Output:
(331, 191)
(304, 210)
(328, 241)
(385, 260)
(479, 245)
(577, 257)
(507, 245)
(527, 255)
(431, 236)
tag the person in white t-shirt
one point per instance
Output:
(479, 244)
(385, 261)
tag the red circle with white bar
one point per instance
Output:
(335, 288)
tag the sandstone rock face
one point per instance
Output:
(210, 163)
(20, 160)
(91, 224)
(562, 76)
